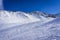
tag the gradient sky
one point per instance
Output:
(48, 6)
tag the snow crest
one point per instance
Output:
(17, 17)
(36, 26)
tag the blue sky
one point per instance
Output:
(48, 6)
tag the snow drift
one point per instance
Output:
(29, 26)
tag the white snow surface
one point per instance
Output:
(24, 26)
(17, 17)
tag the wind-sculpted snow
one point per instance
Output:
(12, 27)
(16, 17)
(31, 31)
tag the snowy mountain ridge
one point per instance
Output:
(22, 17)
(16, 17)
(29, 26)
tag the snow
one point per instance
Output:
(24, 26)
(13, 18)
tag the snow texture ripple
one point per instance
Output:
(29, 26)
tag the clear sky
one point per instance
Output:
(48, 6)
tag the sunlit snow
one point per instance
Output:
(25, 26)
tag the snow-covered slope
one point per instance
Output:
(22, 17)
(29, 26)
(10, 18)
(16, 17)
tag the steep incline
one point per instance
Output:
(32, 31)
(11, 19)
(16, 17)
(26, 26)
